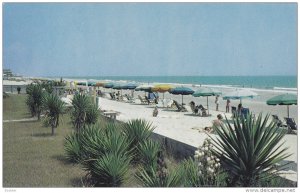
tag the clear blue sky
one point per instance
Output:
(96, 39)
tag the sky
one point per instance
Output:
(148, 39)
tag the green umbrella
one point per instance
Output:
(283, 99)
(206, 92)
(181, 91)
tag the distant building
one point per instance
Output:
(7, 73)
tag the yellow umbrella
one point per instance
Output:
(162, 88)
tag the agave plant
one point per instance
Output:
(53, 108)
(250, 150)
(137, 131)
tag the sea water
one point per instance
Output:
(258, 82)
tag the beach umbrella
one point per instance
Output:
(90, 83)
(162, 88)
(144, 87)
(181, 91)
(129, 86)
(206, 92)
(98, 84)
(283, 99)
(240, 94)
(108, 85)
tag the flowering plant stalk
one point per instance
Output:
(208, 164)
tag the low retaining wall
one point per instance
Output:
(176, 148)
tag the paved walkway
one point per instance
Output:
(20, 120)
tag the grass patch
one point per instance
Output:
(14, 107)
(31, 156)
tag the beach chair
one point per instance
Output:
(291, 124)
(112, 95)
(195, 109)
(151, 100)
(179, 107)
(129, 98)
(143, 100)
(204, 112)
(278, 122)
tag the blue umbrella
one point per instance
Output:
(130, 86)
(181, 91)
(108, 85)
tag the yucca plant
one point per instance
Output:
(35, 99)
(250, 150)
(101, 146)
(190, 173)
(110, 170)
(53, 108)
(81, 105)
(148, 151)
(137, 131)
(73, 148)
(150, 178)
(92, 114)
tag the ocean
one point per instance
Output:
(258, 82)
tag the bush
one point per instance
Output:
(250, 150)
(110, 170)
(137, 131)
(148, 151)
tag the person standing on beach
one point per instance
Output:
(227, 105)
(217, 102)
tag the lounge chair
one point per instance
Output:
(204, 112)
(194, 108)
(278, 122)
(112, 95)
(180, 108)
(150, 101)
(143, 100)
(129, 98)
(291, 124)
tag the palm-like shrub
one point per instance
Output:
(35, 99)
(53, 108)
(73, 148)
(189, 173)
(99, 146)
(82, 113)
(148, 151)
(137, 131)
(151, 178)
(250, 150)
(110, 169)
(92, 115)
